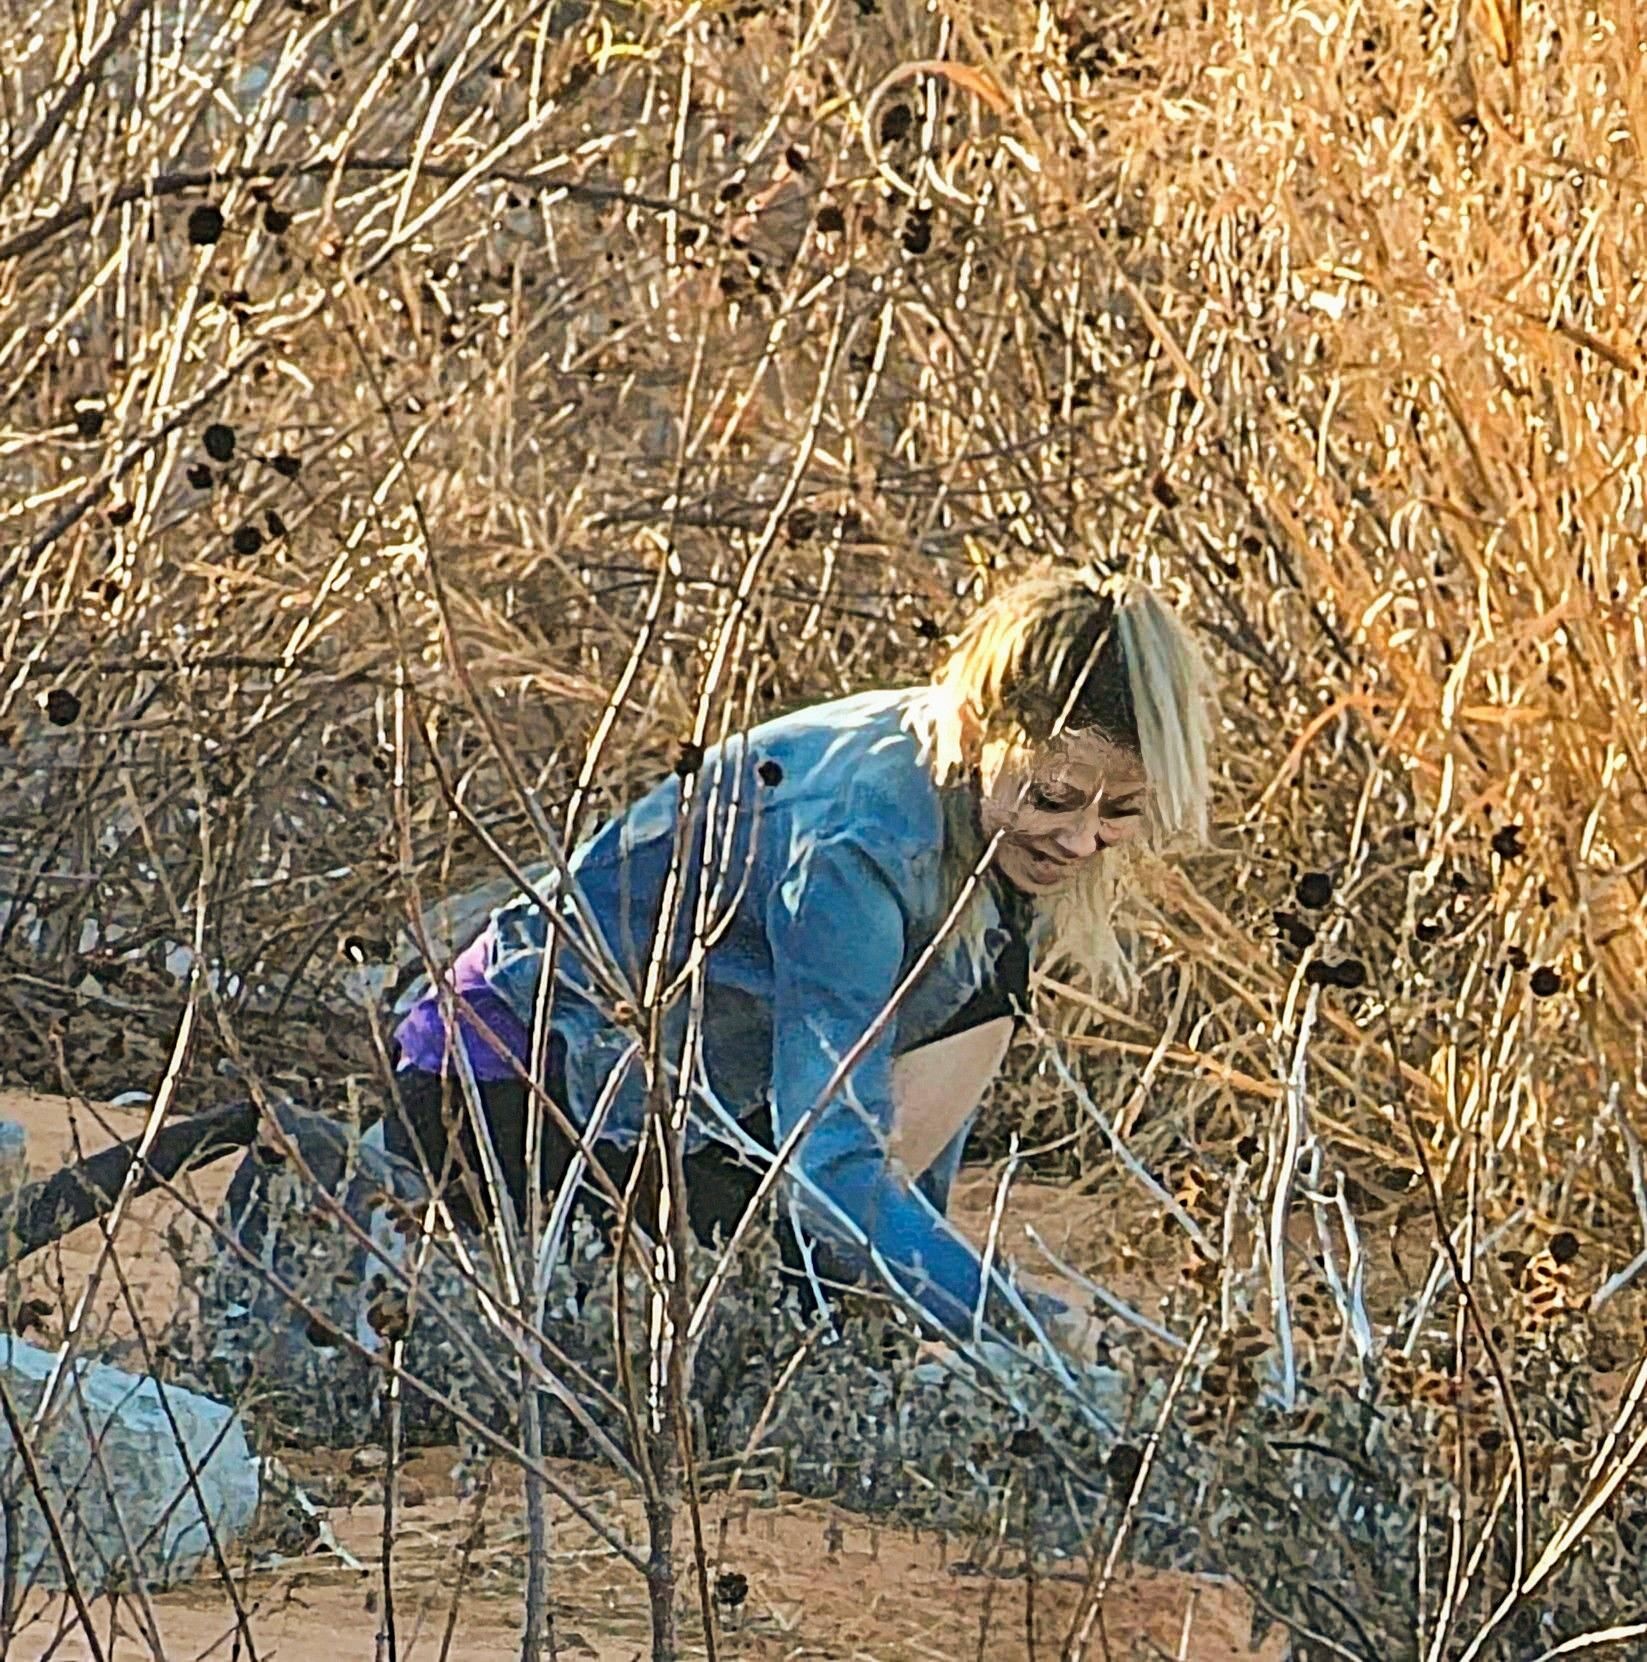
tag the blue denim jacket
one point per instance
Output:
(825, 831)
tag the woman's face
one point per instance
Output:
(1059, 809)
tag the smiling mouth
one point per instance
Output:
(1053, 862)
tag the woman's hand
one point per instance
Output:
(1076, 1335)
(1064, 1317)
(1079, 1335)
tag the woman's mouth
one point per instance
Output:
(1050, 865)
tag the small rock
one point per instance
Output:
(139, 1491)
(368, 1459)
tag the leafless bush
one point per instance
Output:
(410, 403)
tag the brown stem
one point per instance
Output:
(175, 184)
(538, 1640)
(31, 1470)
(388, 1642)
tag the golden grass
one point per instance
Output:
(1330, 320)
(1333, 327)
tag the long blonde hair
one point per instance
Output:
(1063, 653)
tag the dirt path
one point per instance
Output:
(822, 1583)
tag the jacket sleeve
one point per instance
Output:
(837, 937)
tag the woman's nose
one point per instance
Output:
(1080, 839)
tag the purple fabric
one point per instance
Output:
(422, 1033)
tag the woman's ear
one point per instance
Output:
(969, 731)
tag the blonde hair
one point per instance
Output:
(1067, 653)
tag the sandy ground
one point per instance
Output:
(821, 1582)
(821, 1585)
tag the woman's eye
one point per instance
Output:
(1050, 803)
(1122, 813)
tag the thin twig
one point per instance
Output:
(24, 1451)
(1092, 1602)
(1104, 1296)
(1124, 1154)
(1621, 1279)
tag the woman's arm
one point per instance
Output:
(837, 936)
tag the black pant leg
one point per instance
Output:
(720, 1184)
(428, 1106)
(415, 1129)
(719, 1188)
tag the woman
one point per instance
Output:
(872, 877)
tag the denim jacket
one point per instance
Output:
(824, 832)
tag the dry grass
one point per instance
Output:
(600, 330)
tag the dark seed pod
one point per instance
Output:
(1314, 890)
(1024, 1443)
(246, 540)
(218, 440)
(896, 122)
(1294, 930)
(388, 1317)
(62, 707)
(1507, 842)
(205, 225)
(731, 1589)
